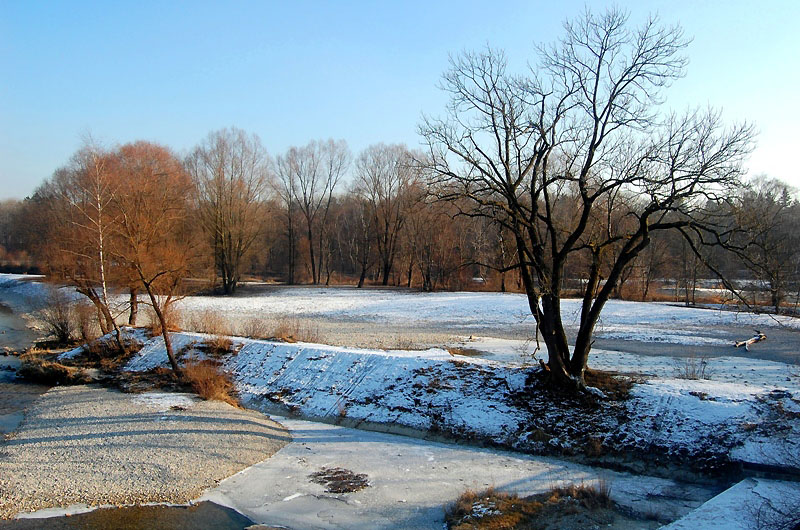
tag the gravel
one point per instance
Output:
(97, 446)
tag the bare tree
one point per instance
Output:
(540, 154)
(81, 224)
(308, 178)
(231, 172)
(154, 234)
(384, 179)
(768, 215)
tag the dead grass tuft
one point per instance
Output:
(616, 387)
(38, 370)
(693, 367)
(217, 345)
(209, 382)
(171, 314)
(210, 322)
(590, 496)
(294, 330)
(256, 328)
(493, 510)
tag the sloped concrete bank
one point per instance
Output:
(703, 426)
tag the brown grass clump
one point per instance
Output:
(217, 345)
(210, 322)
(592, 496)
(616, 387)
(172, 316)
(493, 510)
(294, 330)
(256, 328)
(209, 382)
(45, 372)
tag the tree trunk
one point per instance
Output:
(314, 278)
(134, 303)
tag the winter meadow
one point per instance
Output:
(564, 300)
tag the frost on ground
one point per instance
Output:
(701, 424)
(639, 321)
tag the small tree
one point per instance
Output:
(546, 155)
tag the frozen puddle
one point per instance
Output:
(411, 480)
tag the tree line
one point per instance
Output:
(565, 181)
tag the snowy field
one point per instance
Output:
(647, 321)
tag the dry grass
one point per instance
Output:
(614, 386)
(209, 382)
(294, 330)
(217, 345)
(38, 370)
(210, 322)
(493, 510)
(256, 328)
(171, 314)
(591, 496)
(692, 367)
(86, 321)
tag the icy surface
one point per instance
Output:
(411, 480)
(752, 503)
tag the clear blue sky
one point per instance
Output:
(172, 71)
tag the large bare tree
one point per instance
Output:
(547, 154)
(231, 172)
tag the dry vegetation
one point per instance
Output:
(565, 507)
(210, 382)
(37, 369)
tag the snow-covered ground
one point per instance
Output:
(646, 322)
(708, 422)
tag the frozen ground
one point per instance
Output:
(700, 422)
(410, 481)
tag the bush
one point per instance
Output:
(692, 367)
(58, 316)
(209, 382)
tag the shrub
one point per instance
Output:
(692, 367)
(58, 315)
(209, 382)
